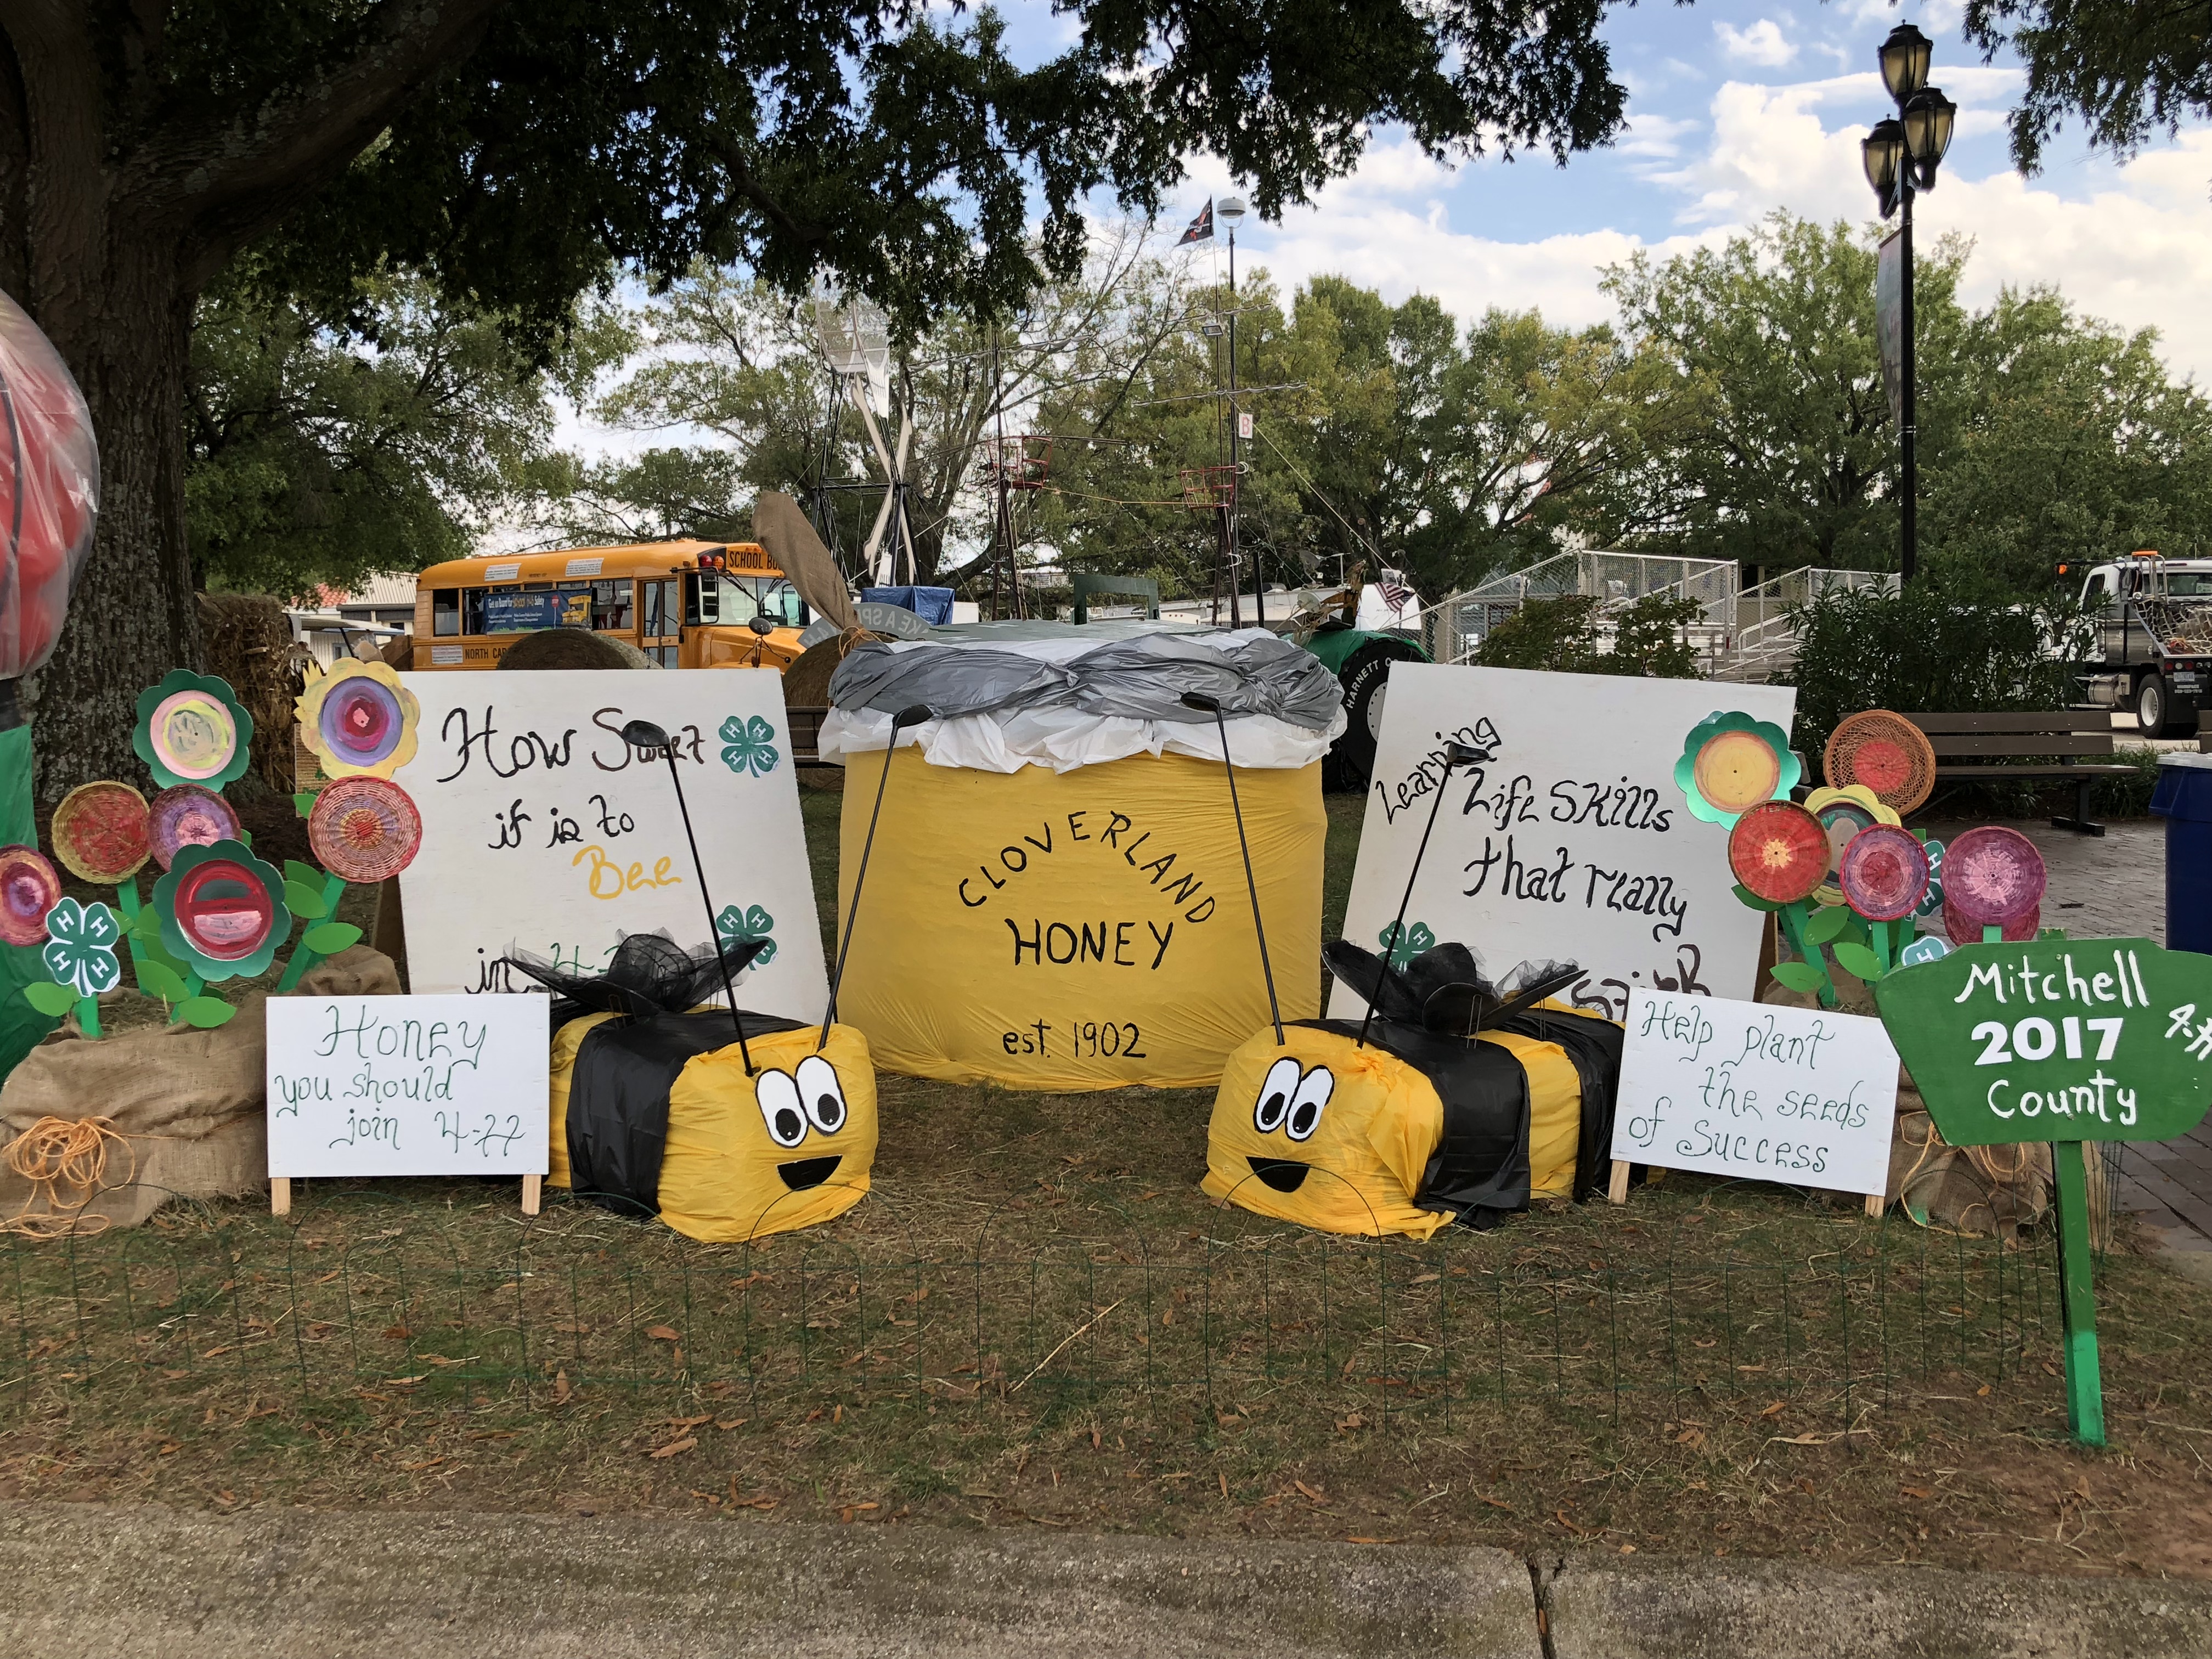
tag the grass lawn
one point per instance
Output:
(1037, 1319)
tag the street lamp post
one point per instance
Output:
(1900, 156)
(1230, 211)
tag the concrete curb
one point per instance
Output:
(1615, 1606)
(95, 1581)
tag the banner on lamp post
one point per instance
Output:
(1889, 320)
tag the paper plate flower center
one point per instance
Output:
(224, 910)
(1736, 770)
(193, 734)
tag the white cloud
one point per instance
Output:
(1762, 43)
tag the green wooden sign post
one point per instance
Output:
(2064, 1040)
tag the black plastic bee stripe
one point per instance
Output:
(1593, 1044)
(617, 1125)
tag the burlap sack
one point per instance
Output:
(186, 1105)
(1966, 1189)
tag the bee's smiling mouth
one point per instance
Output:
(1282, 1174)
(803, 1173)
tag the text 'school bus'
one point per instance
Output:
(685, 604)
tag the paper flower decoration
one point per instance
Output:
(29, 889)
(359, 719)
(80, 941)
(1884, 874)
(743, 927)
(751, 745)
(99, 832)
(186, 815)
(1992, 877)
(192, 729)
(1731, 762)
(1400, 950)
(365, 829)
(1779, 852)
(223, 910)
(1885, 752)
(1843, 813)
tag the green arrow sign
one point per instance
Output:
(2057, 1040)
(2062, 1041)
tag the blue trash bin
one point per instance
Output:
(2183, 800)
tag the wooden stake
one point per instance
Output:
(280, 1194)
(534, 1194)
(1617, 1188)
(1877, 1203)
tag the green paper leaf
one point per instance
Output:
(330, 938)
(146, 927)
(304, 802)
(247, 835)
(1827, 923)
(49, 998)
(1745, 896)
(206, 1012)
(306, 902)
(305, 874)
(1858, 959)
(159, 980)
(1798, 975)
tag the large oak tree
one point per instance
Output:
(512, 150)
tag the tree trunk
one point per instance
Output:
(123, 326)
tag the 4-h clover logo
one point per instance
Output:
(751, 745)
(1401, 951)
(80, 949)
(736, 927)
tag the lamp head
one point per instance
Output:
(1201, 702)
(1904, 58)
(1928, 118)
(644, 734)
(914, 715)
(1229, 209)
(1882, 153)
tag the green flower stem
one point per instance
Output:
(303, 958)
(87, 1016)
(1878, 933)
(126, 900)
(1793, 919)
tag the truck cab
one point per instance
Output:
(2147, 642)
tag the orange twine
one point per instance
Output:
(58, 1151)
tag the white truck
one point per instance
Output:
(2147, 643)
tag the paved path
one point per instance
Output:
(88, 1582)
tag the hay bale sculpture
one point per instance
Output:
(654, 1112)
(1452, 1098)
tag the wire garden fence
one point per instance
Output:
(1708, 1288)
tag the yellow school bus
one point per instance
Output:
(685, 603)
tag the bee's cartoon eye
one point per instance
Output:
(1306, 1104)
(1275, 1095)
(780, 1108)
(821, 1094)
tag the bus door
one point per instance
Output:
(661, 603)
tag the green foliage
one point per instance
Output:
(1564, 635)
(320, 452)
(203, 1012)
(2125, 69)
(1799, 976)
(158, 980)
(1950, 642)
(330, 938)
(1856, 960)
(305, 901)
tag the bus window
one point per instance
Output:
(446, 612)
(610, 606)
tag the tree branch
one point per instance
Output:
(236, 185)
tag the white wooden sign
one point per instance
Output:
(1804, 1096)
(1570, 842)
(413, 1086)
(543, 829)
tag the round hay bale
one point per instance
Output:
(573, 648)
(399, 651)
(806, 682)
(248, 640)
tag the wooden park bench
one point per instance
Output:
(1974, 748)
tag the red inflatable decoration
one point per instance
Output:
(49, 491)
